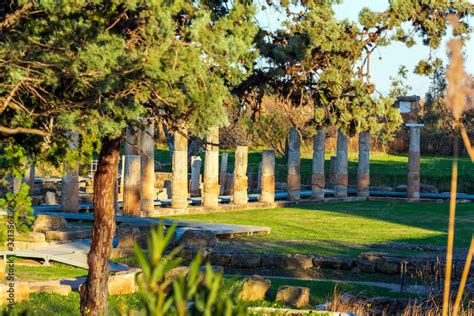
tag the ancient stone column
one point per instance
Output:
(211, 170)
(332, 172)
(413, 183)
(131, 176)
(268, 177)
(196, 176)
(317, 178)
(340, 188)
(363, 167)
(70, 181)
(147, 160)
(294, 160)
(259, 177)
(179, 189)
(223, 172)
(240, 175)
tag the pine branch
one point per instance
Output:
(21, 130)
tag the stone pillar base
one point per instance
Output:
(340, 191)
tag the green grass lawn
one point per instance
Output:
(340, 228)
(55, 271)
(386, 169)
(53, 304)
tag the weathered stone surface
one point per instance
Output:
(50, 287)
(129, 234)
(44, 223)
(178, 272)
(3, 264)
(255, 288)
(147, 161)
(267, 194)
(341, 172)
(198, 238)
(50, 198)
(163, 177)
(223, 172)
(121, 253)
(287, 261)
(240, 175)
(123, 282)
(211, 170)
(363, 166)
(413, 181)
(196, 163)
(333, 263)
(179, 197)
(293, 295)
(80, 233)
(32, 237)
(317, 178)
(246, 260)
(164, 194)
(131, 176)
(378, 262)
(18, 293)
(229, 185)
(220, 259)
(294, 161)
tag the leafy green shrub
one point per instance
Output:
(198, 293)
(20, 203)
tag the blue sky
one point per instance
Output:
(393, 56)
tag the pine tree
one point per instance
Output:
(95, 67)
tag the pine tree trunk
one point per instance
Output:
(94, 292)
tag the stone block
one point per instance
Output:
(178, 272)
(50, 198)
(32, 237)
(61, 289)
(81, 233)
(198, 238)
(287, 261)
(220, 259)
(124, 282)
(121, 253)
(128, 234)
(44, 223)
(293, 295)
(255, 288)
(18, 293)
(3, 264)
(246, 260)
(337, 263)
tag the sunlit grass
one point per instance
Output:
(332, 228)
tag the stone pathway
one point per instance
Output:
(218, 229)
(74, 254)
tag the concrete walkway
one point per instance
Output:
(74, 254)
(218, 229)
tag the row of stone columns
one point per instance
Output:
(139, 171)
(341, 165)
(213, 175)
